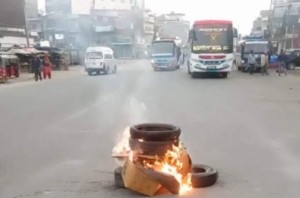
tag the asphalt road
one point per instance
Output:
(56, 136)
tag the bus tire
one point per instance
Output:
(194, 75)
(224, 74)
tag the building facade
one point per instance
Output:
(173, 25)
(31, 8)
(12, 23)
(85, 6)
(285, 23)
(149, 27)
(80, 24)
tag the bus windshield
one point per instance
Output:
(212, 39)
(258, 48)
(163, 48)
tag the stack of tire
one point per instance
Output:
(157, 139)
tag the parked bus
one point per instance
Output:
(211, 47)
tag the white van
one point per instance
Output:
(100, 59)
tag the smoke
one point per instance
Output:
(136, 113)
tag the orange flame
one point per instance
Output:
(171, 164)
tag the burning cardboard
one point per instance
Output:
(136, 179)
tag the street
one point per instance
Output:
(57, 136)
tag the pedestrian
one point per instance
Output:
(251, 62)
(282, 62)
(47, 68)
(265, 64)
(36, 66)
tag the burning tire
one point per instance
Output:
(155, 132)
(152, 147)
(118, 178)
(203, 176)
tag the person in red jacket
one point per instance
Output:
(47, 70)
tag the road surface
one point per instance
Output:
(56, 136)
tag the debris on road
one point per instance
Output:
(154, 159)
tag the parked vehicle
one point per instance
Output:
(100, 59)
(293, 58)
(9, 66)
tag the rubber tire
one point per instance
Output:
(194, 75)
(152, 147)
(155, 132)
(98, 73)
(115, 69)
(89, 73)
(118, 179)
(224, 75)
(203, 176)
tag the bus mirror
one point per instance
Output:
(235, 33)
(191, 35)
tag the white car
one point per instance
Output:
(100, 60)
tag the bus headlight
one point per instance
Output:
(225, 66)
(152, 61)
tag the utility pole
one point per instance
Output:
(93, 21)
(26, 24)
(293, 37)
(270, 28)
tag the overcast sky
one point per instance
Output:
(242, 12)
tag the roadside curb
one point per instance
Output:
(27, 77)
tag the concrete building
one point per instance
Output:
(85, 6)
(285, 23)
(79, 24)
(31, 8)
(12, 23)
(149, 27)
(173, 25)
(261, 24)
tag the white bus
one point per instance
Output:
(212, 48)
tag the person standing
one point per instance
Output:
(36, 66)
(282, 62)
(265, 64)
(251, 62)
(47, 68)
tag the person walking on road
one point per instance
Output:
(47, 68)
(265, 64)
(251, 62)
(282, 62)
(36, 66)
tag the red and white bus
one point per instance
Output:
(211, 47)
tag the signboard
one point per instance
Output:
(106, 28)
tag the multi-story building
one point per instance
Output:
(85, 6)
(80, 23)
(285, 23)
(149, 27)
(261, 24)
(31, 8)
(173, 25)
(12, 23)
